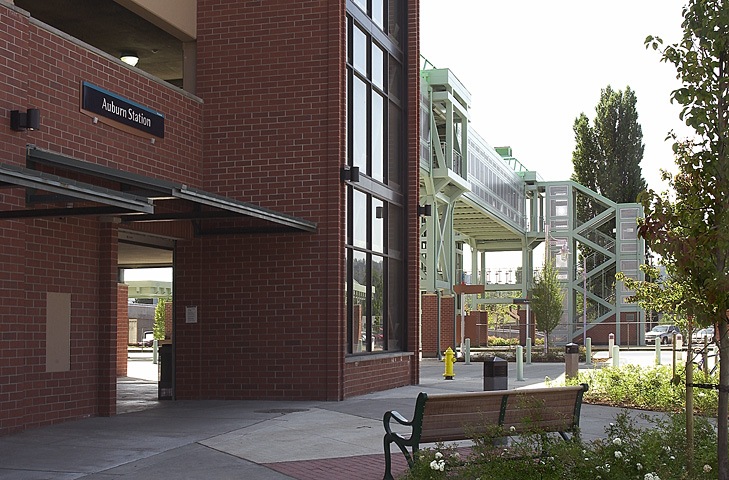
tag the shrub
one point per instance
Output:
(627, 452)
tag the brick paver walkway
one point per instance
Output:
(362, 467)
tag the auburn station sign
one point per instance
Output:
(120, 112)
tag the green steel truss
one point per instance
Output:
(487, 199)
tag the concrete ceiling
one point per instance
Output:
(112, 28)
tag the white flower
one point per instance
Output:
(673, 458)
(438, 455)
(707, 468)
(667, 449)
(434, 465)
(457, 455)
(618, 454)
(512, 428)
(639, 466)
(617, 441)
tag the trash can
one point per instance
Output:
(495, 374)
(164, 389)
(571, 359)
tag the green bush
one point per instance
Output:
(627, 452)
(503, 342)
(649, 388)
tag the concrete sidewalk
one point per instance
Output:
(245, 439)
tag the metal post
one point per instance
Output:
(468, 351)
(584, 301)
(616, 356)
(154, 351)
(519, 363)
(588, 351)
(658, 351)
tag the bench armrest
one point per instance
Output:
(392, 414)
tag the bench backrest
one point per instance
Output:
(447, 417)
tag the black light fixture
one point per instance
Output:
(28, 120)
(350, 173)
(425, 210)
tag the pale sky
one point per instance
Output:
(533, 66)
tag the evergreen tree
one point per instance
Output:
(159, 319)
(546, 300)
(607, 155)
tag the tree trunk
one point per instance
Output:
(723, 413)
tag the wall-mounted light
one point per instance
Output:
(28, 120)
(425, 210)
(350, 173)
(130, 58)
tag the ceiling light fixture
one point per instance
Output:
(130, 58)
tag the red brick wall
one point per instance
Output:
(477, 328)
(429, 321)
(365, 375)
(122, 329)
(523, 326)
(628, 331)
(169, 320)
(77, 255)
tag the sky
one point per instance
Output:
(533, 66)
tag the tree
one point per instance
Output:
(159, 319)
(546, 300)
(690, 230)
(607, 156)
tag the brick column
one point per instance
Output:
(122, 329)
(429, 322)
(108, 300)
(522, 327)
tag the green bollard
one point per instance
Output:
(467, 357)
(519, 363)
(658, 352)
(528, 351)
(154, 351)
(588, 351)
(616, 356)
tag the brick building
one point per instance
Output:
(268, 149)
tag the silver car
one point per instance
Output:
(662, 334)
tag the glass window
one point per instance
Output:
(378, 13)
(359, 127)
(360, 50)
(378, 67)
(378, 221)
(376, 304)
(395, 27)
(378, 296)
(378, 136)
(394, 148)
(359, 214)
(359, 301)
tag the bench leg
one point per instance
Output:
(388, 460)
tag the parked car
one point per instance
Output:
(147, 339)
(704, 335)
(662, 334)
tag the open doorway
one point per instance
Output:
(145, 324)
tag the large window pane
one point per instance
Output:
(359, 129)
(378, 221)
(378, 296)
(359, 301)
(378, 13)
(359, 45)
(359, 217)
(395, 80)
(395, 310)
(378, 67)
(395, 231)
(395, 27)
(394, 148)
(378, 137)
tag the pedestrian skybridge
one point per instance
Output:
(483, 197)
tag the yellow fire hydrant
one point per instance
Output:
(450, 358)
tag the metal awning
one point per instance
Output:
(135, 199)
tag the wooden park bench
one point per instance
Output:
(460, 416)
